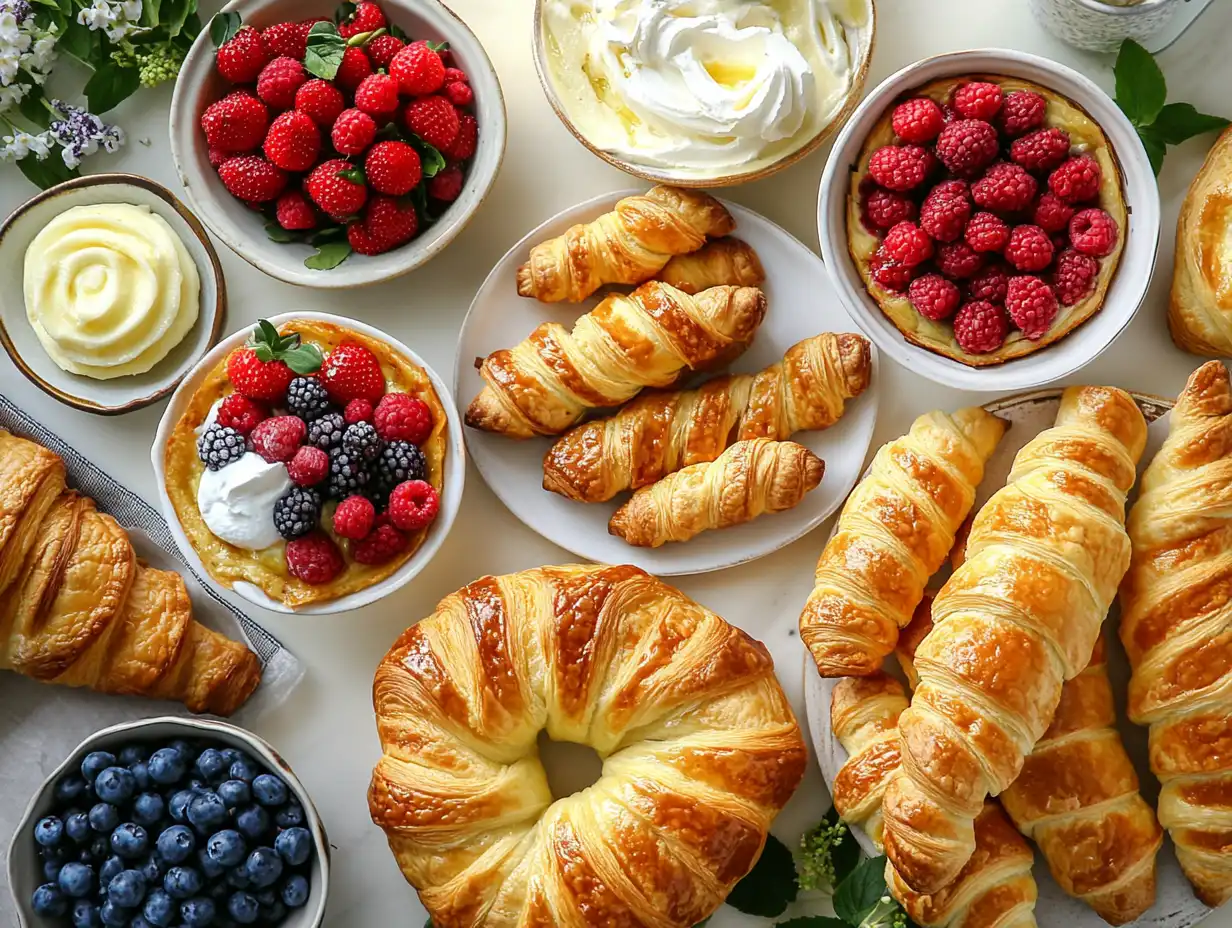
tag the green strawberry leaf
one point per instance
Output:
(277, 233)
(264, 334)
(303, 360)
(430, 158)
(325, 50)
(438, 46)
(861, 890)
(361, 39)
(344, 12)
(1140, 86)
(812, 921)
(398, 32)
(770, 886)
(223, 28)
(355, 175)
(1178, 122)
(327, 234)
(328, 256)
(1155, 147)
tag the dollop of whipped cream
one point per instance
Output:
(237, 501)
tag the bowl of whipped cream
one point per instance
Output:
(703, 92)
(121, 292)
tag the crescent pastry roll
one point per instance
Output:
(1012, 624)
(643, 339)
(723, 262)
(626, 246)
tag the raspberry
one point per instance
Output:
(433, 119)
(392, 167)
(381, 546)
(1074, 276)
(294, 212)
(885, 208)
(899, 167)
(321, 101)
(367, 17)
(1006, 187)
(377, 95)
(252, 179)
(958, 260)
(354, 68)
(353, 132)
(1076, 180)
(240, 413)
(945, 211)
(402, 417)
(446, 186)
(1021, 112)
(279, 81)
(287, 40)
(933, 296)
(218, 157)
(1052, 214)
(382, 49)
(243, 56)
(1029, 248)
(907, 244)
(967, 146)
(1031, 304)
(468, 137)
(236, 123)
(1093, 232)
(293, 141)
(352, 371)
(978, 100)
(358, 410)
(278, 438)
(389, 222)
(338, 196)
(413, 505)
(1041, 150)
(456, 76)
(917, 120)
(418, 70)
(980, 327)
(353, 518)
(314, 558)
(986, 232)
(888, 273)
(308, 466)
(990, 283)
(458, 93)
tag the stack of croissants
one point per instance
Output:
(696, 459)
(1010, 695)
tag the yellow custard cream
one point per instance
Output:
(110, 289)
(704, 87)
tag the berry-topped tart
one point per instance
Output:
(987, 217)
(309, 462)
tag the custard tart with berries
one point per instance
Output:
(986, 216)
(309, 463)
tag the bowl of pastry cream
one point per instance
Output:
(121, 292)
(703, 92)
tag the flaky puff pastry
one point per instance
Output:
(628, 245)
(1176, 625)
(1200, 308)
(894, 533)
(662, 431)
(646, 338)
(31, 478)
(700, 751)
(1018, 618)
(723, 262)
(748, 479)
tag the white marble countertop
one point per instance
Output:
(326, 731)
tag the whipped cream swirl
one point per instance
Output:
(237, 501)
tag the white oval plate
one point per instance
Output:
(1175, 904)
(802, 303)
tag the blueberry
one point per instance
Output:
(167, 766)
(186, 750)
(139, 922)
(268, 790)
(290, 815)
(182, 882)
(77, 827)
(207, 812)
(60, 853)
(115, 784)
(127, 888)
(274, 913)
(49, 831)
(85, 914)
(69, 789)
(141, 774)
(49, 901)
(131, 753)
(198, 912)
(130, 841)
(113, 916)
(148, 808)
(253, 822)
(176, 844)
(86, 856)
(152, 869)
(75, 880)
(295, 891)
(177, 805)
(234, 793)
(294, 845)
(264, 867)
(227, 847)
(111, 868)
(104, 817)
(51, 870)
(211, 766)
(243, 908)
(100, 848)
(95, 763)
(231, 755)
(208, 867)
(244, 769)
(159, 909)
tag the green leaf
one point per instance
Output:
(432, 161)
(303, 360)
(328, 256)
(770, 886)
(151, 13)
(1155, 147)
(47, 173)
(178, 12)
(398, 32)
(264, 334)
(223, 28)
(327, 234)
(109, 85)
(355, 175)
(1140, 85)
(344, 12)
(79, 41)
(861, 890)
(1177, 122)
(277, 233)
(428, 923)
(812, 921)
(437, 46)
(363, 38)
(325, 50)
(31, 107)
(192, 25)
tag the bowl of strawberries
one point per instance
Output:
(335, 146)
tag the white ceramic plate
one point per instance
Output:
(1175, 904)
(802, 303)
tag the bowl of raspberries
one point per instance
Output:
(336, 145)
(990, 218)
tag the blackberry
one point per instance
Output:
(347, 474)
(306, 398)
(361, 440)
(297, 512)
(219, 446)
(399, 461)
(326, 432)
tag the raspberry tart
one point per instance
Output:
(986, 216)
(309, 463)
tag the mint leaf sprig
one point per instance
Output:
(1142, 92)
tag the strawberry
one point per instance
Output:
(468, 138)
(235, 123)
(353, 132)
(458, 93)
(390, 223)
(252, 179)
(350, 372)
(293, 141)
(446, 185)
(354, 68)
(366, 18)
(382, 49)
(338, 195)
(294, 211)
(243, 56)
(287, 40)
(393, 168)
(361, 242)
(321, 101)
(434, 120)
(418, 70)
(278, 82)
(264, 367)
(377, 95)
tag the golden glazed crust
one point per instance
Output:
(938, 337)
(266, 569)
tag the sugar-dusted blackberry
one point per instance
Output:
(220, 445)
(306, 398)
(348, 474)
(297, 512)
(399, 461)
(326, 432)
(360, 439)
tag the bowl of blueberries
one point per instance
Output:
(170, 823)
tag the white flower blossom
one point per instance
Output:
(11, 95)
(117, 19)
(131, 9)
(21, 143)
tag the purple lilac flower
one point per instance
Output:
(81, 133)
(20, 9)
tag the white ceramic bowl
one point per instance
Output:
(23, 866)
(1128, 287)
(123, 394)
(242, 229)
(451, 496)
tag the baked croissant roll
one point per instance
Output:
(629, 245)
(643, 339)
(662, 431)
(749, 478)
(894, 533)
(1200, 308)
(723, 262)
(1176, 624)
(1012, 624)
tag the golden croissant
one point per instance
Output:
(628, 245)
(643, 339)
(662, 431)
(78, 608)
(700, 751)
(723, 262)
(749, 478)
(1176, 625)
(1012, 624)
(894, 533)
